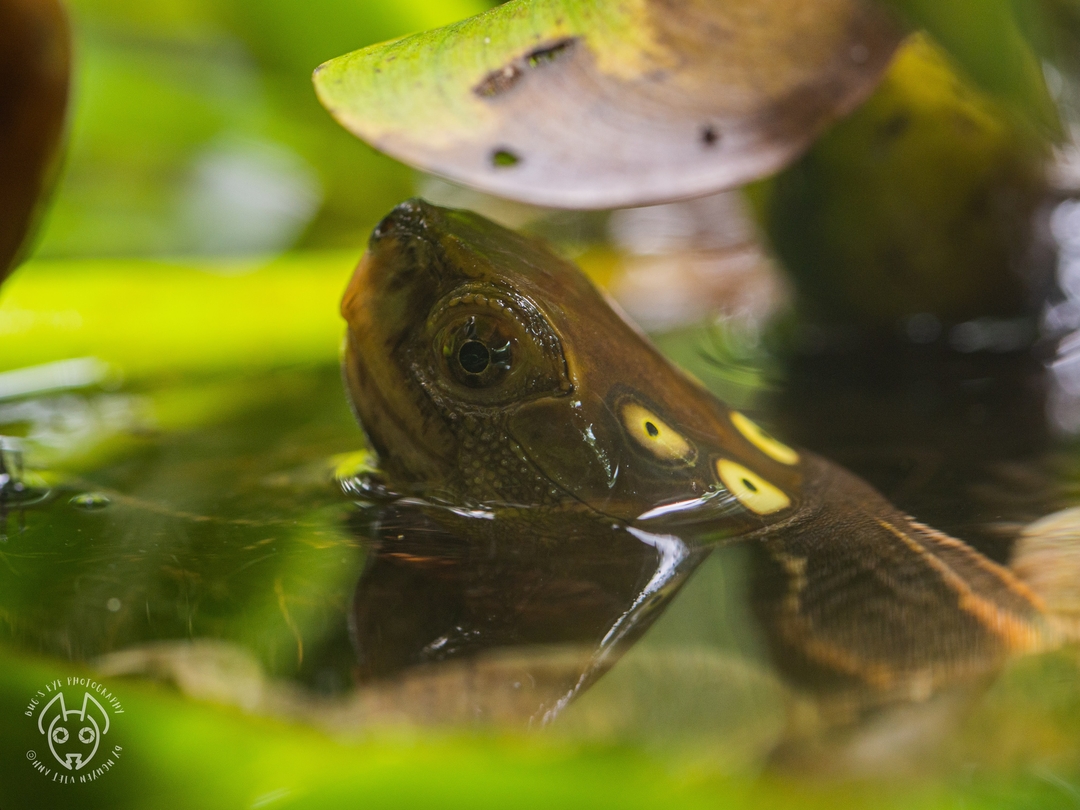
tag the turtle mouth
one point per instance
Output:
(385, 423)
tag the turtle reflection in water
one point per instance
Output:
(548, 477)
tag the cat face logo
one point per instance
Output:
(74, 735)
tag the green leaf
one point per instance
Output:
(177, 754)
(919, 202)
(595, 103)
(181, 754)
(987, 38)
(152, 318)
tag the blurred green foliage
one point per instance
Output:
(999, 43)
(922, 201)
(195, 128)
(177, 754)
(180, 755)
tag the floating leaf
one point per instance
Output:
(594, 103)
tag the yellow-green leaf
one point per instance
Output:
(991, 41)
(149, 318)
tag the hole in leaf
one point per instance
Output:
(505, 78)
(498, 81)
(548, 53)
(504, 158)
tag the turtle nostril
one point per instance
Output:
(383, 229)
(409, 216)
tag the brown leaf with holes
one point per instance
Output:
(580, 104)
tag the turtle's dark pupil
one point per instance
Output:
(749, 485)
(474, 356)
(651, 429)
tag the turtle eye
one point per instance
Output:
(478, 351)
(750, 489)
(474, 357)
(490, 348)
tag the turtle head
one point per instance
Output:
(482, 363)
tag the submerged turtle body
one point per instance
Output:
(493, 379)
